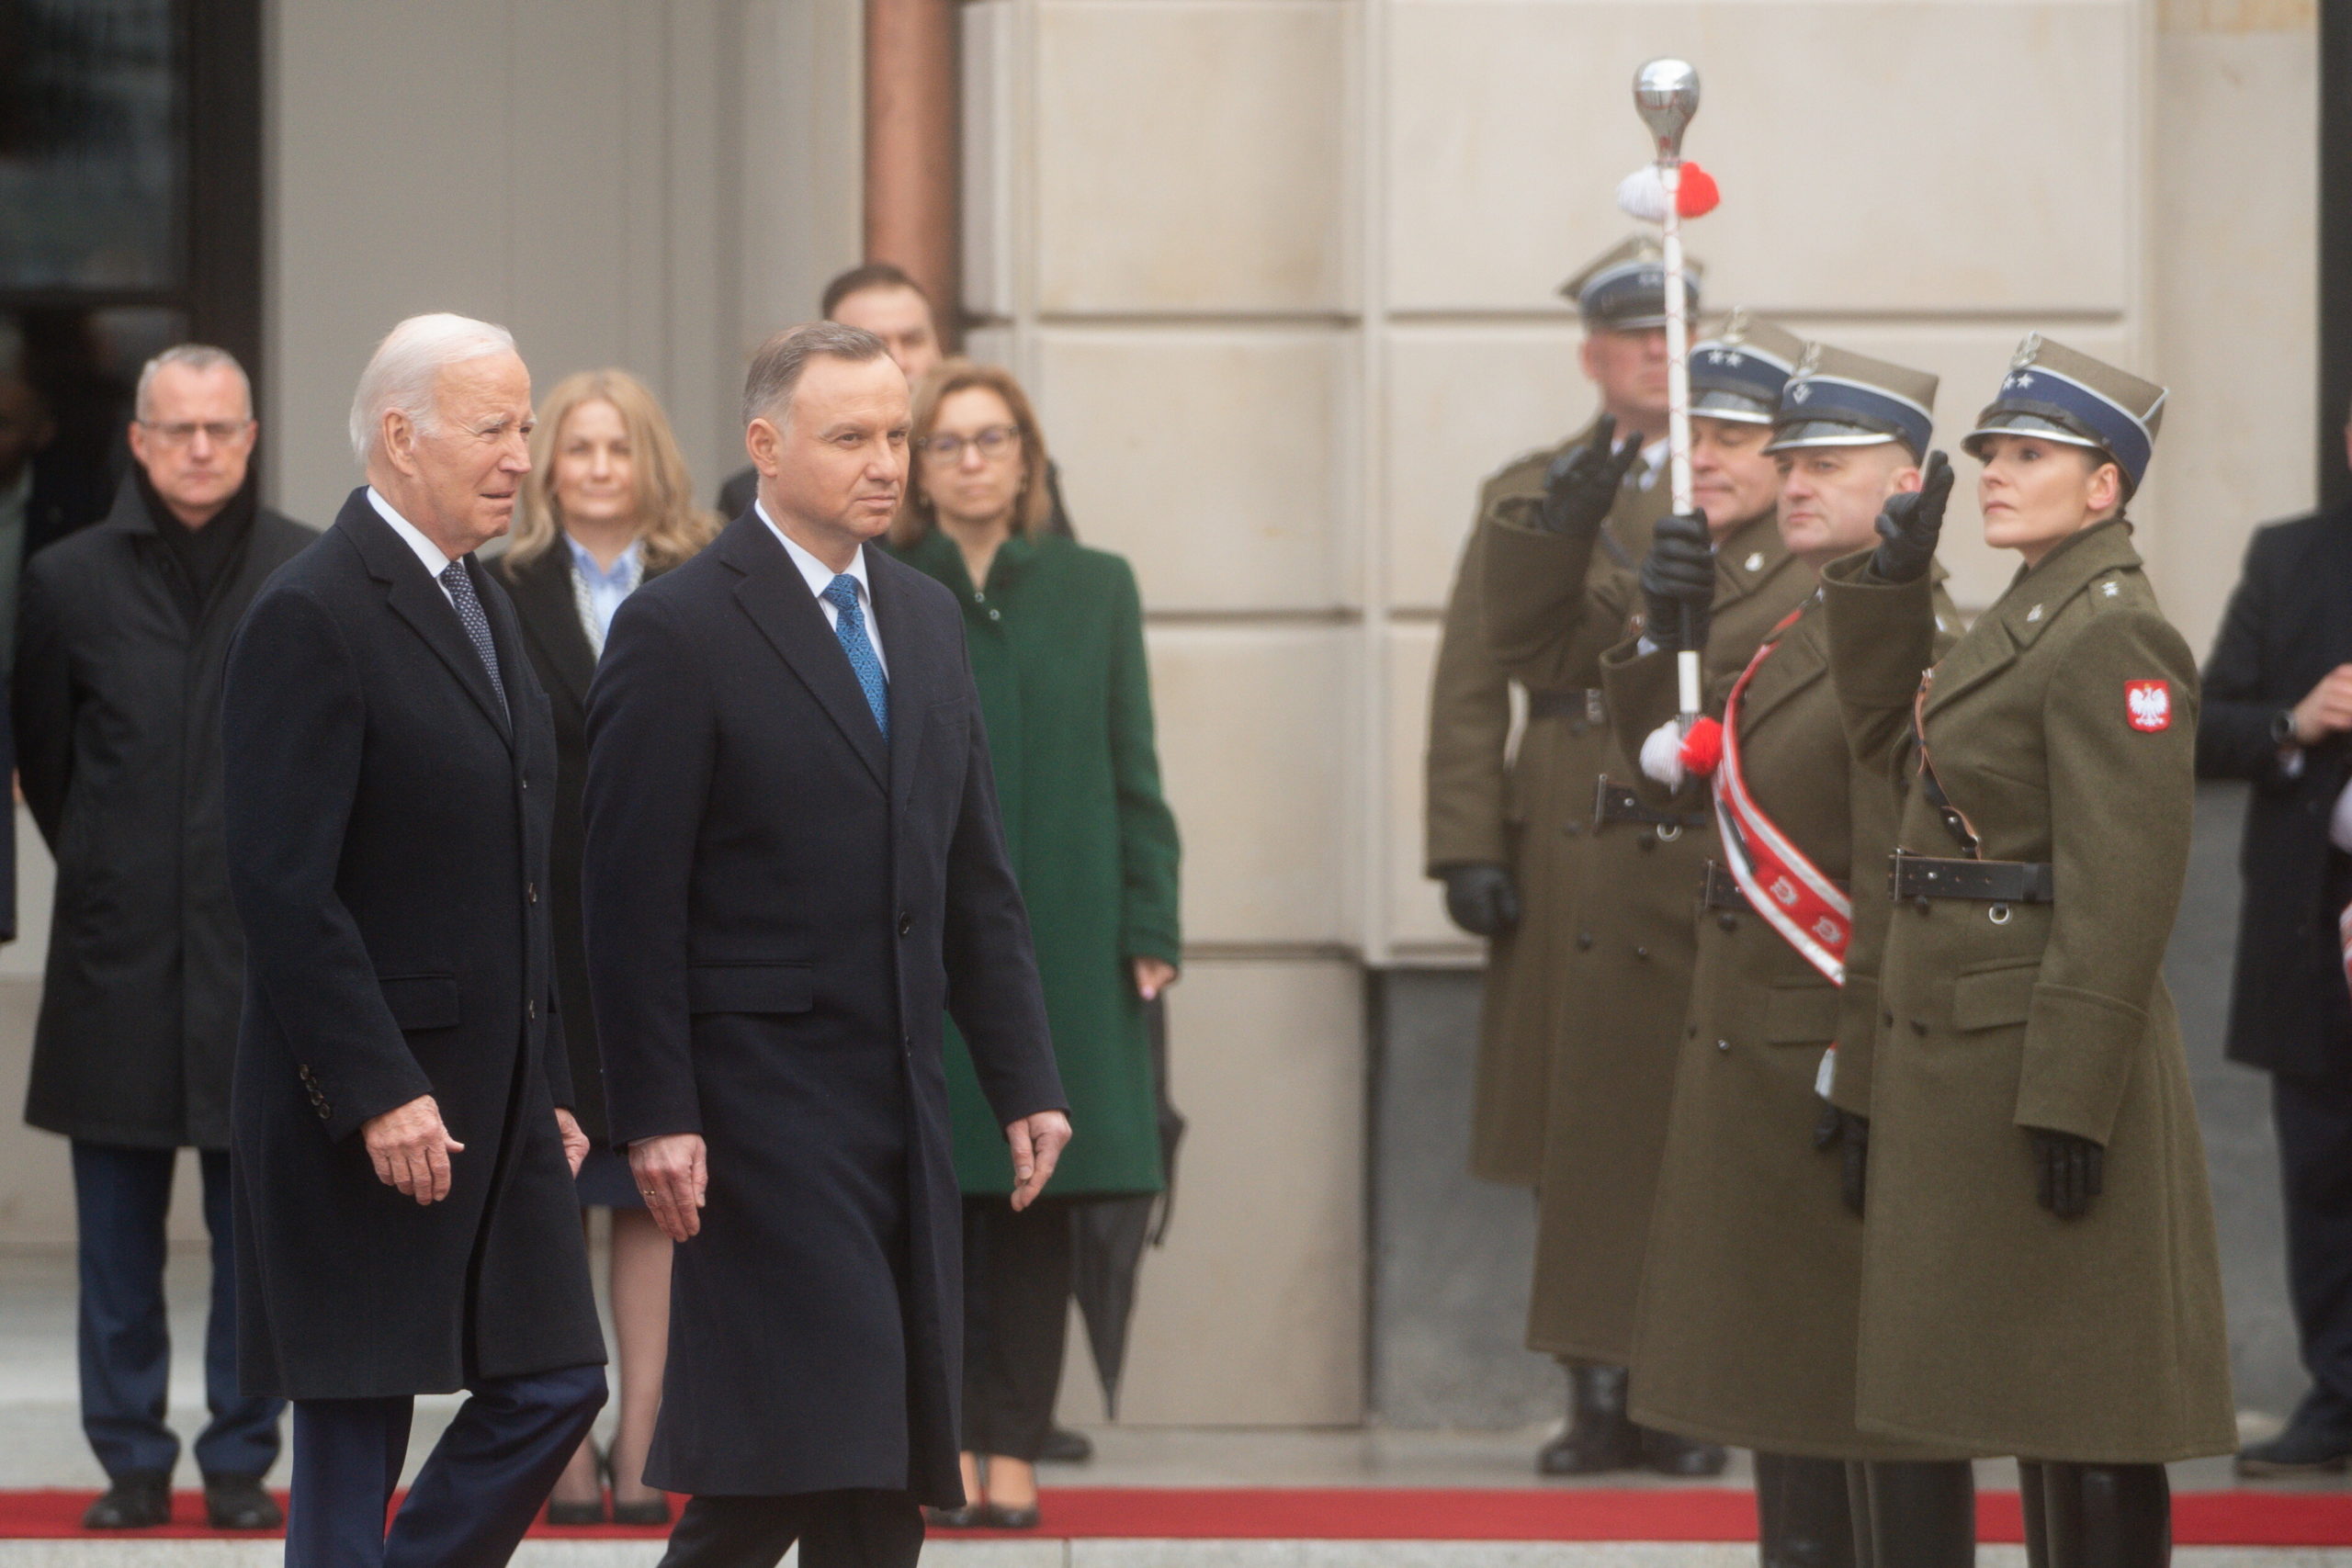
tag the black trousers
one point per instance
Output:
(835, 1529)
(1016, 1321)
(473, 1499)
(120, 1198)
(2314, 1122)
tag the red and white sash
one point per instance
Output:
(1811, 912)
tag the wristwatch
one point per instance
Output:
(2282, 729)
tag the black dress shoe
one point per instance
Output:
(1669, 1455)
(136, 1500)
(653, 1510)
(964, 1518)
(1066, 1446)
(238, 1503)
(2301, 1450)
(992, 1517)
(564, 1512)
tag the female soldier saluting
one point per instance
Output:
(2040, 1274)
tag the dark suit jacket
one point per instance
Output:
(118, 704)
(781, 909)
(388, 839)
(549, 613)
(2290, 622)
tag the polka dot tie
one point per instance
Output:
(849, 625)
(476, 623)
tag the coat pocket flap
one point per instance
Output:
(1800, 1015)
(1990, 999)
(750, 987)
(421, 1001)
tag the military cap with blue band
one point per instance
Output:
(1738, 374)
(2056, 393)
(1624, 291)
(1837, 398)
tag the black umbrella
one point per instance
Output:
(1111, 1234)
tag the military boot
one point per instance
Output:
(1599, 1436)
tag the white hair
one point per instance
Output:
(400, 373)
(196, 357)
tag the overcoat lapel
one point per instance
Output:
(911, 694)
(1801, 657)
(544, 599)
(774, 595)
(420, 601)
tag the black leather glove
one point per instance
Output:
(1851, 1136)
(1909, 524)
(1679, 581)
(2069, 1171)
(1583, 481)
(1482, 899)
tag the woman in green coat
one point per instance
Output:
(1056, 634)
(2039, 1274)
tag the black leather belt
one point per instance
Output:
(1567, 703)
(1720, 890)
(1990, 881)
(1615, 803)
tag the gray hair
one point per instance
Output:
(400, 373)
(196, 357)
(776, 368)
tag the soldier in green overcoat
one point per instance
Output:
(1750, 1290)
(1506, 825)
(2039, 1274)
(1560, 592)
(1055, 631)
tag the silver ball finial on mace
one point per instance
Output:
(1665, 93)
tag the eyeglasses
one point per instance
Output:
(179, 434)
(994, 443)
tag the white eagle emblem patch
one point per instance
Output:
(1830, 932)
(2148, 704)
(1783, 891)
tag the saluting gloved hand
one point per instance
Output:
(1851, 1136)
(1679, 581)
(1909, 523)
(1582, 483)
(2069, 1170)
(1482, 899)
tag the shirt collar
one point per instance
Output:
(625, 565)
(817, 575)
(428, 555)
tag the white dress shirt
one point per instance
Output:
(819, 577)
(428, 554)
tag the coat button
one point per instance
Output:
(1723, 1044)
(326, 1112)
(1641, 953)
(1583, 941)
(906, 925)
(527, 783)
(1728, 921)
(531, 1008)
(531, 892)
(1921, 904)
(996, 615)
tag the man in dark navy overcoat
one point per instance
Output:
(405, 1217)
(794, 869)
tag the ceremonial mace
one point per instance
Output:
(1666, 94)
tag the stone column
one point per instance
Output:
(912, 200)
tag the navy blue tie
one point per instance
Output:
(476, 623)
(849, 625)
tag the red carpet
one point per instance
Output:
(1380, 1513)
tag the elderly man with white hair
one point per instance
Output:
(405, 1216)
